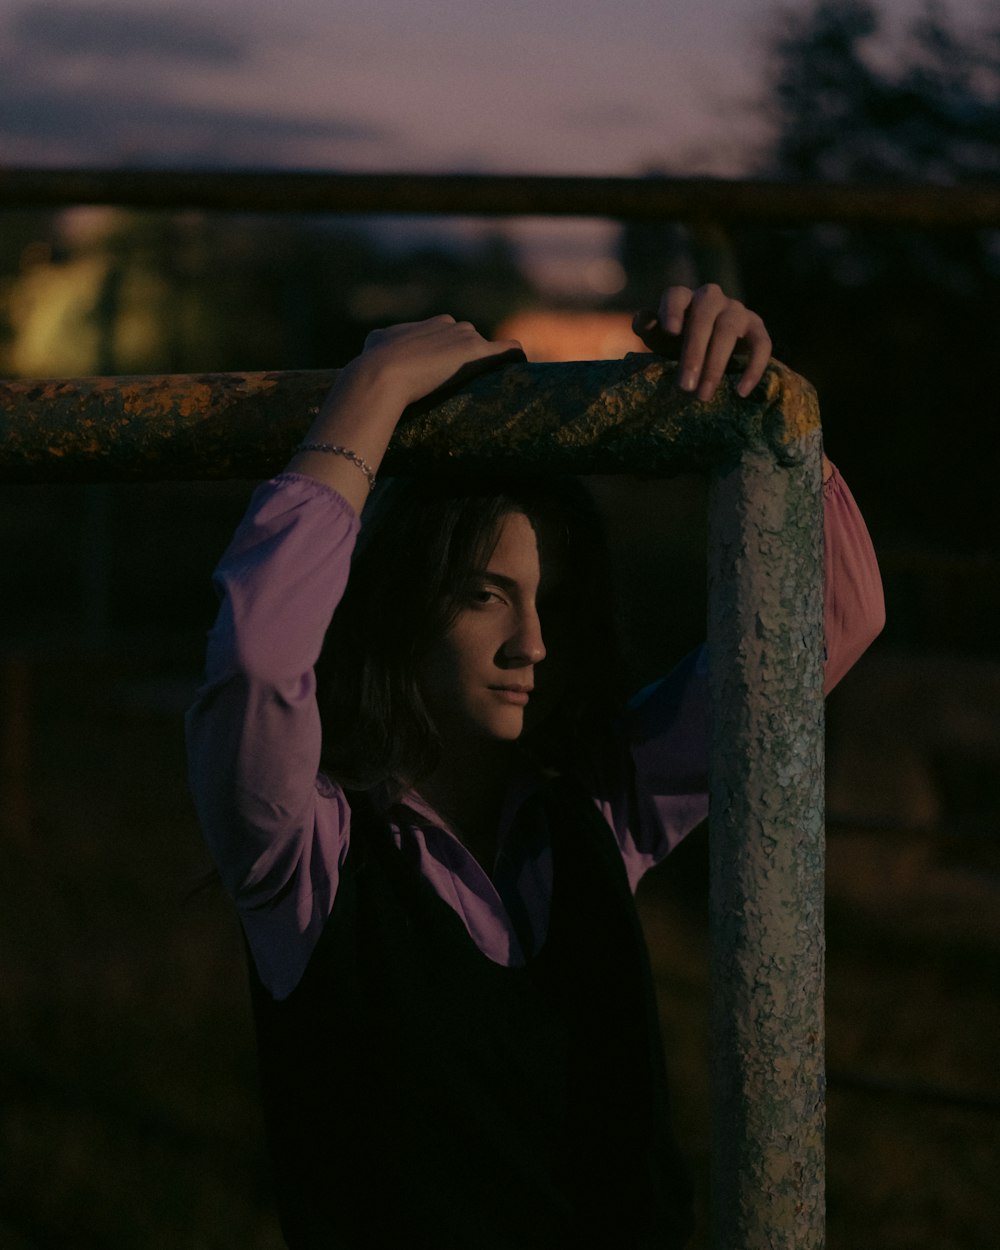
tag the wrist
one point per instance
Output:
(365, 388)
(357, 418)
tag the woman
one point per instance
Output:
(454, 1012)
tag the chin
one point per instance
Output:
(505, 730)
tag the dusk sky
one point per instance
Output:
(554, 86)
(562, 86)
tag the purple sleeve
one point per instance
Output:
(658, 790)
(276, 831)
(853, 605)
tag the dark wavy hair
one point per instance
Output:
(421, 540)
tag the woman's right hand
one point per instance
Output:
(415, 358)
(397, 367)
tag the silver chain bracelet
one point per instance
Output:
(346, 452)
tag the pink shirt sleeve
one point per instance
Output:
(658, 790)
(276, 830)
(854, 605)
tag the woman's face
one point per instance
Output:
(493, 672)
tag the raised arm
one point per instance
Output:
(657, 791)
(253, 735)
(276, 830)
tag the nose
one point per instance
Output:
(525, 645)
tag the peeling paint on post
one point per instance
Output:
(765, 642)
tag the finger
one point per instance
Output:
(493, 350)
(427, 325)
(408, 329)
(646, 326)
(707, 303)
(725, 336)
(759, 343)
(509, 345)
(463, 340)
(483, 362)
(643, 323)
(506, 351)
(674, 303)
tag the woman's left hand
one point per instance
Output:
(702, 329)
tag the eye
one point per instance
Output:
(482, 595)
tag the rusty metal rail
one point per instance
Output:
(583, 417)
(717, 200)
(765, 642)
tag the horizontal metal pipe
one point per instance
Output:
(606, 416)
(731, 201)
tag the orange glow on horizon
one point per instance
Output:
(552, 335)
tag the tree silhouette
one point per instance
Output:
(896, 326)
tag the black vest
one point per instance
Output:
(416, 1094)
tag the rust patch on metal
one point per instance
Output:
(585, 417)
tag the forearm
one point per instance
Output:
(359, 413)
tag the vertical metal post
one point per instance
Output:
(765, 648)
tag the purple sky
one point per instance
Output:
(557, 86)
(562, 86)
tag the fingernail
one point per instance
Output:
(689, 380)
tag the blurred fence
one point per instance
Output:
(657, 199)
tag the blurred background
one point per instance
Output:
(126, 1061)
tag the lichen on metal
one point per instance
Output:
(586, 417)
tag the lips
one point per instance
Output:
(513, 694)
